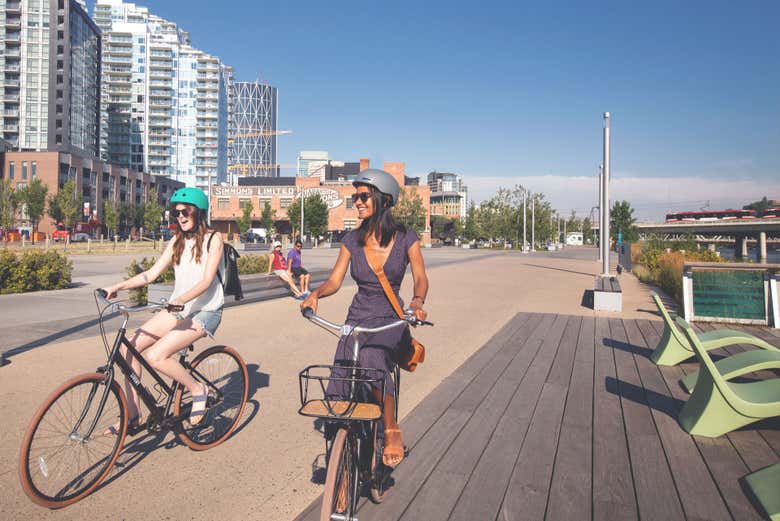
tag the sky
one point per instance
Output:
(504, 93)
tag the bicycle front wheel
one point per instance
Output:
(223, 370)
(339, 498)
(60, 461)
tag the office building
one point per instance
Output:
(166, 103)
(312, 163)
(51, 76)
(252, 133)
(449, 196)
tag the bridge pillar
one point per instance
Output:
(761, 246)
(711, 247)
(740, 247)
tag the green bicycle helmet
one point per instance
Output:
(193, 196)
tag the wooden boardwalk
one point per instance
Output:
(565, 417)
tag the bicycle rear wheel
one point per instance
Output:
(339, 498)
(223, 370)
(59, 463)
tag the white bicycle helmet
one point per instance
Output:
(382, 181)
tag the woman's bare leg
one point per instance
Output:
(394, 444)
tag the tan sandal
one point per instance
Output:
(393, 454)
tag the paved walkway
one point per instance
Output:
(265, 470)
(564, 417)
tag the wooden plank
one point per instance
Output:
(564, 361)
(656, 494)
(613, 487)
(698, 492)
(411, 475)
(526, 496)
(484, 492)
(571, 487)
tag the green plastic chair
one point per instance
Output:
(673, 348)
(765, 486)
(717, 406)
(736, 365)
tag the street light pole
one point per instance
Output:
(605, 194)
(525, 194)
(601, 205)
(533, 224)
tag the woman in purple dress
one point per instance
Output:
(395, 247)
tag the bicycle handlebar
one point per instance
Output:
(173, 308)
(308, 313)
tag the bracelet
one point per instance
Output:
(419, 297)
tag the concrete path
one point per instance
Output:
(265, 470)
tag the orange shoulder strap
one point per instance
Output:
(376, 267)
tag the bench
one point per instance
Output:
(256, 287)
(607, 296)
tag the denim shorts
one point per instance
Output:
(208, 320)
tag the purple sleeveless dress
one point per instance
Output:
(370, 308)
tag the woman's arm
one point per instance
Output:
(148, 276)
(212, 265)
(420, 280)
(332, 285)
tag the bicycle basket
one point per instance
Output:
(352, 402)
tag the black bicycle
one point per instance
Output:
(66, 454)
(354, 433)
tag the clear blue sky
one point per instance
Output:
(499, 90)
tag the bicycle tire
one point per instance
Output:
(221, 417)
(380, 473)
(42, 463)
(340, 494)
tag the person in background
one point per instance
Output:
(282, 270)
(298, 271)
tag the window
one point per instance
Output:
(244, 201)
(223, 203)
(10, 170)
(285, 202)
(24, 170)
(350, 202)
(33, 169)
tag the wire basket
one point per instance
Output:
(355, 403)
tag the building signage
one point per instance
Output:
(331, 197)
(249, 191)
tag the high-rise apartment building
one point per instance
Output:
(51, 76)
(252, 135)
(449, 196)
(166, 103)
(313, 163)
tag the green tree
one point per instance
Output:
(244, 222)
(471, 227)
(410, 211)
(8, 206)
(622, 221)
(761, 206)
(125, 215)
(153, 213)
(33, 197)
(587, 230)
(66, 205)
(267, 219)
(110, 216)
(315, 215)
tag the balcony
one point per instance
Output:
(11, 97)
(11, 128)
(12, 67)
(13, 23)
(11, 82)
(14, 38)
(11, 113)
(13, 7)
(160, 83)
(160, 93)
(11, 53)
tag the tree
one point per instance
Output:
(66, 204)
(267, 218)
(761, 206)
(622, 221)
(33, 197)
(587, 230)
(244, 222)
(315, 215)
(125, 215)
(471, 226)
(410, 211)
(152, 213)
(7, 206)
(110, 216)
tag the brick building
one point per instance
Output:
(96, 180)
(280, 192)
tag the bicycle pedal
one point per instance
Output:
(407, 451)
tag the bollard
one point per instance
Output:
(116, 239)
(89, 245)
(48, 241)
(23, 241)
(127, 244)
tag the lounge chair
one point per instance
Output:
(673, 348)
(717, 406)
(765, 486)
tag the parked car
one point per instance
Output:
(79, 237)
(252, 237)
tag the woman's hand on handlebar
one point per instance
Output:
(174, 306)
(110, 291)
(419, 312)
(311, 302)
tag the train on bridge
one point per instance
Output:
(721, 215)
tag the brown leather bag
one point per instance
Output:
(412, 354)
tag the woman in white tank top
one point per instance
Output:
(196, 255)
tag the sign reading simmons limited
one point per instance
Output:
(331, 197)
(249, 191)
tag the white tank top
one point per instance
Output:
(189, 272)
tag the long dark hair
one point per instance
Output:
(198, 232)
(381, 224)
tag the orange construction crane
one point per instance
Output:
(259, 133)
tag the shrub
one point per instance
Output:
(34, 271)
(138, 296)
(252, 264)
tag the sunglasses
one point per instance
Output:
(184, 213)
(363, 196)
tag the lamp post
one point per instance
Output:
(600, 206)
(525, 194)
(605, 200)
(533, 224)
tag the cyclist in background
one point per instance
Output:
(197, 288)
(376, 192)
